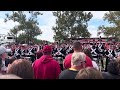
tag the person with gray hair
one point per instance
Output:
(77, 58)
(4, 60)
(77, 62)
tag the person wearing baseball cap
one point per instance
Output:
(2, 50)
(46, 67)
(3, 56)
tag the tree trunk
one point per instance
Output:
(16, 38)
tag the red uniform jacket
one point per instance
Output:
(46, 68)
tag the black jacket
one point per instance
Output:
(7, 61)
(107, 75)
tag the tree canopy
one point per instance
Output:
(71, 24)
(28, 23)
(113, 18)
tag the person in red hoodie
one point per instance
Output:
(77, 47)
(46, 67)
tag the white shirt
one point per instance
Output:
(3, 68)
(95, 65)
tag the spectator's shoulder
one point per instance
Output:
(63, 74)
(106, 75)
(37, 60)
(55, 61)
(69, 55)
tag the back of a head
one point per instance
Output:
(47, 50)
(89, 73)
(21, 68)
(39, 54)
(77, 46)
(114, 67)
(77, 58)
(9, 76)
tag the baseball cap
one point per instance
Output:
(47, 48)
(3, 50)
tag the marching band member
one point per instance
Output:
(31, 53)
(17, 52)
(110, 54)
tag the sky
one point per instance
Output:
(47, 21)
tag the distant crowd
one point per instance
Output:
(60, 61)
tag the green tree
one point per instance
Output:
(14, 32)
(27, 24)
(71, 24)
(113, 18)
(22, 38)
(37, 41)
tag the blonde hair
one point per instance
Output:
(77, 58)
(9, 76)
(21, 68)
(89, 73)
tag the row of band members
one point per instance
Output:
(76, 66)
(96, 50)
